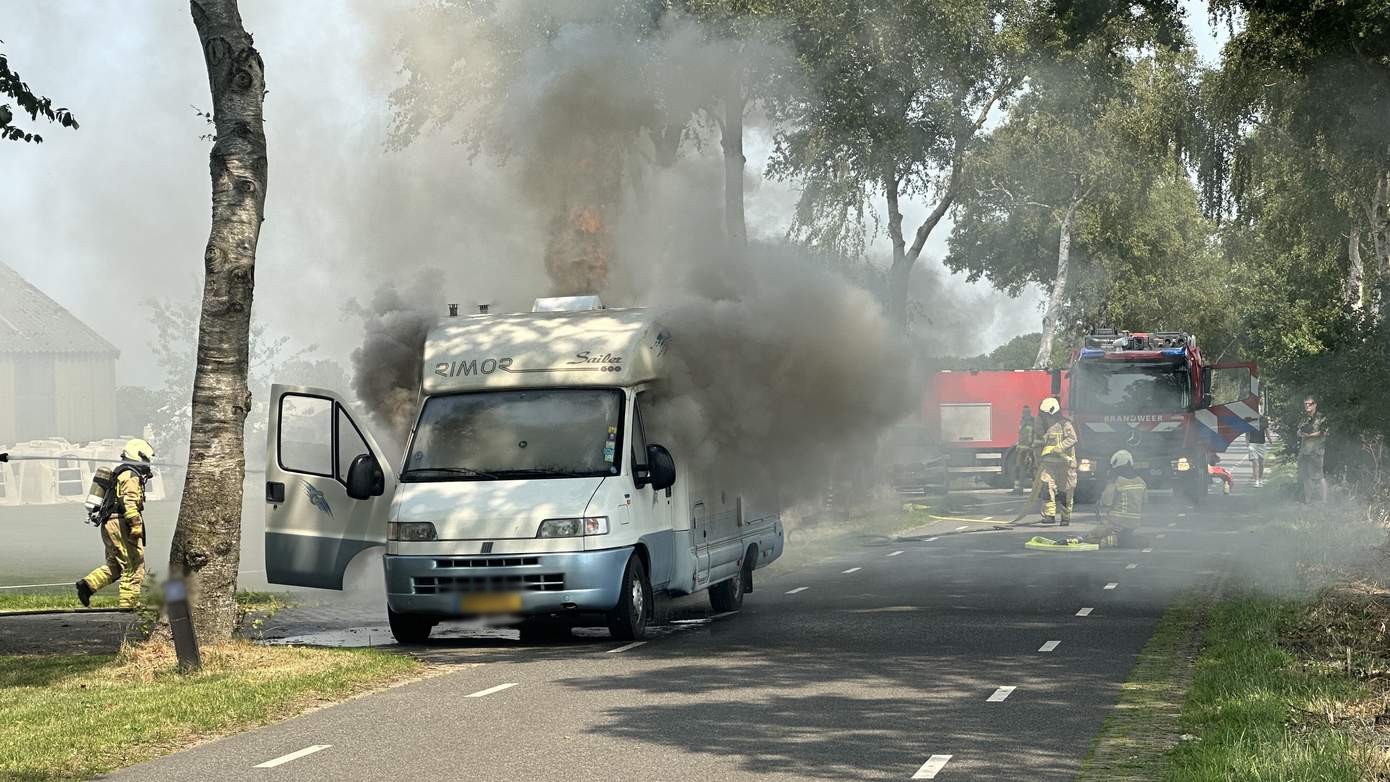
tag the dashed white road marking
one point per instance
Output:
(1112, 585)
(851, 570)
(1131, 566)
(798, 589)
(1000, 694)
(1085, 612)
(632, 645)
(929, 540)
(1147, 551)
(1049, 646)
(1172, 524)
(491, 690)
(932, 767)
(283, 759)
(895, 553)
(1161, 535)
(962, 529)
(989, 518)
(721, 616)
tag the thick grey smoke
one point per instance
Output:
(386, 369)
(784, 374)
(783, 371)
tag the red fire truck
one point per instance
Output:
(974, 417)
(1150, 393)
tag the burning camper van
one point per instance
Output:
(538, 483)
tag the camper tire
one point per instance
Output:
(727, 595)
(628, 620)
(409, 629)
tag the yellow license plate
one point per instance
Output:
(490, 604)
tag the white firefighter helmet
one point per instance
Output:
(138, 450)
(1049, 406)
(1121, 458)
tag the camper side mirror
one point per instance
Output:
(661, 468)
(365, 478)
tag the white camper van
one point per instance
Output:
(534, 484)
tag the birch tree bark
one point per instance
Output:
(207, 541)
(1356, 271)
(1059, 288)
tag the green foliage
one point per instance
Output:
(14, 87)
(1017, 353)
(895, 88)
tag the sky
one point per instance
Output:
(107, 217)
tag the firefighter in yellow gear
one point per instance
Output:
(1057, 461)
(123, 532)
(1123, 502)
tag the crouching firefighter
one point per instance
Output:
(1057, 462)
(120, 517)
(1123, 503)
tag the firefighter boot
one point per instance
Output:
(84, 592)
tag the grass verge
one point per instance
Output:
(66, 599)
(1272, 696)
(1254, 704)
(78, 716)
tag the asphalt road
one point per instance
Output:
(950, 653)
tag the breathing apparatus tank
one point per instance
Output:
(102, 487)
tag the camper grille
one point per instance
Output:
(496, 562)
(537, 582)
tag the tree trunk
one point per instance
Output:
(1356, 271)
(901, 270)
(1379, 214)
(1059, 290)
(734, 161)
(207, 541)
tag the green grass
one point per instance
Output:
(78, 716)
(61, 599)
(1258, 713)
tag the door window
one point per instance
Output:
(1229, 384)
(351, 444)
(306, 434)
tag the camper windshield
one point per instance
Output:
(508, 435)
(1126, 388)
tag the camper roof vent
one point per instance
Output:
(567, 304)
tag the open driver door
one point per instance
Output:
(1231, 404)
(317, 456)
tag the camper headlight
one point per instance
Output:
(573, 528)
(410, 530)
(1181, 464)
(1084, 466)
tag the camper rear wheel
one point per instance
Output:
(628, 620)
(409, 629)
(728, 595)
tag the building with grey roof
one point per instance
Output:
(57, 375)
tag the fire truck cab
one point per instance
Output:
(1151, 393)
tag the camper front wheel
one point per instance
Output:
(408, 629)
(628, 620)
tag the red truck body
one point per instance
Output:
(973, 415)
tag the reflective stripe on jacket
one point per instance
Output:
(1124, 499)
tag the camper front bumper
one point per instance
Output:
(452, 585)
